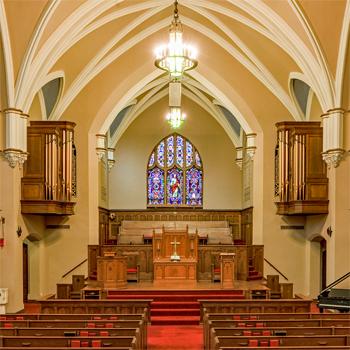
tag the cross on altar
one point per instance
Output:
(175, 257)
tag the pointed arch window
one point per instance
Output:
(175, 174)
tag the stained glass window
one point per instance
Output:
(175, 174)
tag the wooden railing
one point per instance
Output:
(75, 267)
(276, 269)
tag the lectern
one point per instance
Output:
(227, 267)
(111, 271)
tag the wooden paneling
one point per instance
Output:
(205, 259)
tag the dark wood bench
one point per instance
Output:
(254, 306)
(287, 348)
(73, 316)
(226, 320)
(8, 327)
(54, 341)
(64, 306)
(277, 331)
(281, 342)
(70, 348)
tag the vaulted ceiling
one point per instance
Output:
(249, 51)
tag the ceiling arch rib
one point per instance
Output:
(34, 41)
(144, 104)
(6, 45)
(251, 62)
(46, 55)
(91, 70)
(283, 36)
(344, 42)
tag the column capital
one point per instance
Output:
(101, 146)
(333, 157)
(250, 145)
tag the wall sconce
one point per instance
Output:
(2, 231)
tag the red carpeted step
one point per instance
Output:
(174, 312)
(175, 304)
(177, 298)
(178, 320)
(254, 278)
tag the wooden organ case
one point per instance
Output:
(48, 182)
(301, 183)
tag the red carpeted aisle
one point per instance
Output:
(175, 337)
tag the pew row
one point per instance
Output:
(277, 331)
(21, 317)
(281, 342)
(17, 327)
(63, 306)
(271, 321)
(69, 342)
(255, 306)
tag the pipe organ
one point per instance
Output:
(301, 183)
(49, 174)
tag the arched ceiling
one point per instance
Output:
(248, 52)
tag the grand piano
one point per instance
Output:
(333, 298)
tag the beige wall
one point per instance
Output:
(222, 178)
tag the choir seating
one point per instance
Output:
(215, 268)
(133, 267)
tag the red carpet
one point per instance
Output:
(176, 307)
(175, 338)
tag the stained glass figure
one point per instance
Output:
(151, 160)
(175, 174)
(160, 154)
(189, 153)
(174, 186)
(198, 160)
(156, 186)
(179, 151)
(194, 186)
(170, 151)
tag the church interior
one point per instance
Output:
(160, 152)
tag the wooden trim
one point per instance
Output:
(275, 268)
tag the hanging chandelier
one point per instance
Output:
(175, 117)
(176, 57)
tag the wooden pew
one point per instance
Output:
(255, 306)
(277, 331)
(288, 348)
(211, 322)
(62, 342)
(57, 306)
(70, 348)
(74, 316)
(281, 342)
(73, 325)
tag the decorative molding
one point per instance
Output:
(333, 157)
(110, 158)
(250, 145)
(101, 146)
(15, 157)
(239, 157)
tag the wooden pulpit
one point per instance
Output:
(111, 271)
(227, 267)
(175, 255)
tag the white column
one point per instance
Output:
(333, 150)
(15, 151)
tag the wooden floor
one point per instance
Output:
(189, 285)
